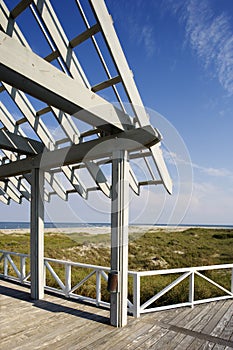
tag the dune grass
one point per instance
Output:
(156, 249)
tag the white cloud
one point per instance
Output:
(209, 35)
(137, 22)
(147, 38)
(142, 35)
(210, 204)
(219, 172)
(177, 160)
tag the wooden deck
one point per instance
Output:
(56, 323)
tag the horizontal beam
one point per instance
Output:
(107, 83)
(84, 36)
(49, 84)
(22, 145)
(131, 140)
(20, 7)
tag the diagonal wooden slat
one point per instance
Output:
(50, 85)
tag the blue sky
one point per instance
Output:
(181, 54)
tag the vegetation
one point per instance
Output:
(156, 249)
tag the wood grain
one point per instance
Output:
(58, 323)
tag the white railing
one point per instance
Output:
(135, 307)
(66, 288)
(184, 273)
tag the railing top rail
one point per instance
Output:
(139, 273)
(182, 270)
(13, 253)
(72, 263)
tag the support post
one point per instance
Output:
(191, 289)
(37, 235)
(68, 279)
(22, 268)
(136, 295)
(119, 236)
(98, 287)
(231, 280)
(5, 265)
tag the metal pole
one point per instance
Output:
(119, 236)
(37, 235)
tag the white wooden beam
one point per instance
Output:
(10, 191)
(131, 140)
(9, 26)
(106, 23)
(101, 57)
(119, 236)
(43, 133)
(47, 83)
(4, 198)
(16, 143)
(48, 22)
(133, 182)
(9, 122)
(37, 235)
(98, 177)
(111, 38)
(29, 112)
(20, 186)
(16, 182)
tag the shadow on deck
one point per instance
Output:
(57, 323)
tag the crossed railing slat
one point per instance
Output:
(100, 272)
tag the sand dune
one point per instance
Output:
(98, 229)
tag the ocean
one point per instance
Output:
(26, 225)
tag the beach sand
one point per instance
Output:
(94, 230)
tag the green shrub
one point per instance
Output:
(153, 250)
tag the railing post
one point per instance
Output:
(68, 279)
(22, 268)
(5, 265)
(191, 289)
(232, 280)
(98, 287)
(44, 273)
(136, 294)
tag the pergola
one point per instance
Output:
(29, 167)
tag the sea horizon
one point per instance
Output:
(26, 225)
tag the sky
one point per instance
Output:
(181, 55)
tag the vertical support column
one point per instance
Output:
(37, 234)
(191, 288)
(119, 236)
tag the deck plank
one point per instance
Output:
(58, 323)
(177, 340)
(208, 323)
